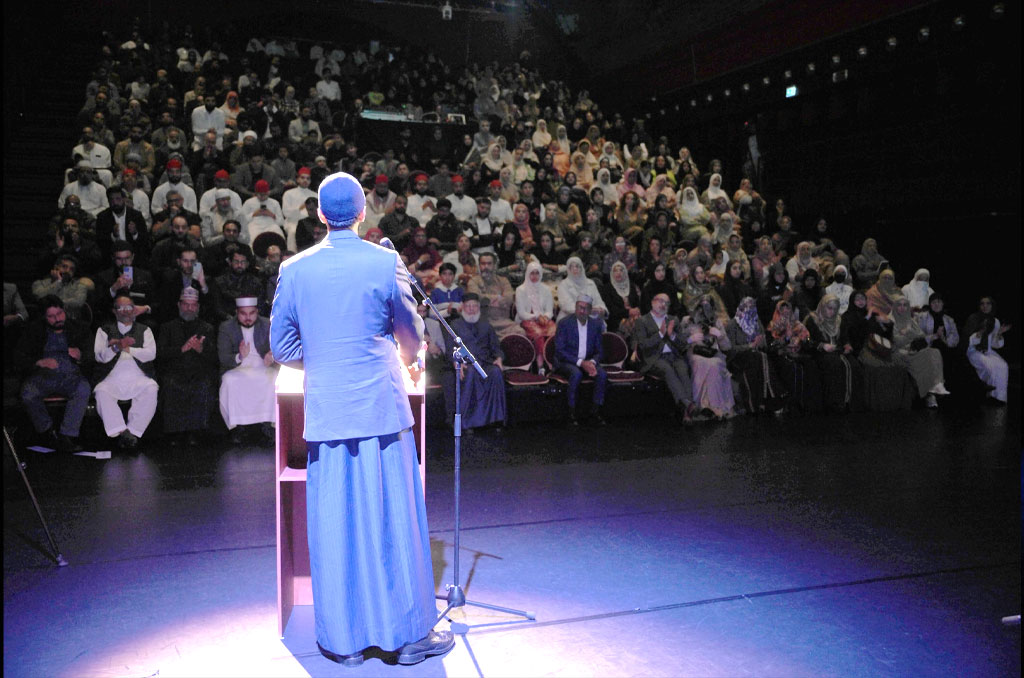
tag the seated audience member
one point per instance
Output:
(578, 352)
(248, 370)
(163, 219)
(662, 347)
(262, 213)
(186, 355)
(222, 212)
(447, 295)
(576, 283)
(239, 281)
(840, 287)
(121, 222)
(295, 205)
(808, 292)
(125, 351)
(305, 228)
(496, 296)
(917, 291)
(734, 288)
(91, 193)
(841, 373)
(704, 333)
(175, 182)
(482, 402)
(55, 354)
(123, 277)
(535, 310)
(939, 329)
(793, 364)
(64, 283)
(868, 264)
(623, 300)
(398, 225)
(422, 258)
(462, 259)
(748, 362)
(511, 261)
(984, 335)
(165, 252)
(911, 350)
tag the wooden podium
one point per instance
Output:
(293, 580)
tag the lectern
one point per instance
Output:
(293, 580)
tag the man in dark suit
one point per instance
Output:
(578, 352)
(125, 277)
(340, 308)
(120, 222)
(663, 353)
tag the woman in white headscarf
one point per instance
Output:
(714, 191)
(576, 283)
(541, 136)
(917, 291)
(535, 308)
(694, 216)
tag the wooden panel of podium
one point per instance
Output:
(293, 579)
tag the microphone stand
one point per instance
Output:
(461, 355)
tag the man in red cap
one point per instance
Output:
(174, 183)
(422, 206)
(380, 201)
(463, 206)
(293, 204)
(262, 213)
(221, 179)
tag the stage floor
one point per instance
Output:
(881, 545)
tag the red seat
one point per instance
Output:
(519, 356)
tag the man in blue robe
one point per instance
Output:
(482, 401)
(339, 307)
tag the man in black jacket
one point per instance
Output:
(54, 353)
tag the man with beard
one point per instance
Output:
(53, 353)
(463, 206)
(422, 206)
(125, 351)
(122, 278)
(482, 402)
(239, 281)
(187, 357)
(380, 202)
(306, 228)
(64, 284)
(262, 213)
(496, 296)
(121, 222)
(165, 252)
(248, 370)
(174, 183)
(205, 118)
(293, 205)
(444, 229)
(137, 145)
(221, 179)
(92, 194)
(222, 213)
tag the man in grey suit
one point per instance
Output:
(248, 370)
(340, 306)
(663, 354)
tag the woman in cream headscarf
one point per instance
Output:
(576, 283)
(541, 136)
(714, 191)
(535, 308)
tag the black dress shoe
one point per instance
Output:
(433, 644)
(350, 660)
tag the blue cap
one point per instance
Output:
(341, 199)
